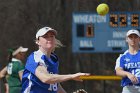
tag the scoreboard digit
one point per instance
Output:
(113, 20)
(123, 20)
(135, 20)
(89, 30)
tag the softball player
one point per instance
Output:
(128, 64)
(41, 70)
(14, 70)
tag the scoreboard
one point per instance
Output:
(94, 33)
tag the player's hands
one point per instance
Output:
(133, 78)
(77, 76)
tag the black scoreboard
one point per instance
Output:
(94, 33)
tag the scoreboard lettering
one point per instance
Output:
(94, 33)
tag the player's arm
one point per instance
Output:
(60, 89)
(20, 73)
(45, 77)
(21, 68)
(6, 88)
(122, 73)
(3, 72)
(119, 68)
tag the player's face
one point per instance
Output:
(21, 55)
(47, 41)
(133, 40)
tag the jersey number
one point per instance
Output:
(136, 72)
(53, 87)
(9, 68)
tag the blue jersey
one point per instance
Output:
(30, 83)
(129, 63)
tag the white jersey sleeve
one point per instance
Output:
(118, 61)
